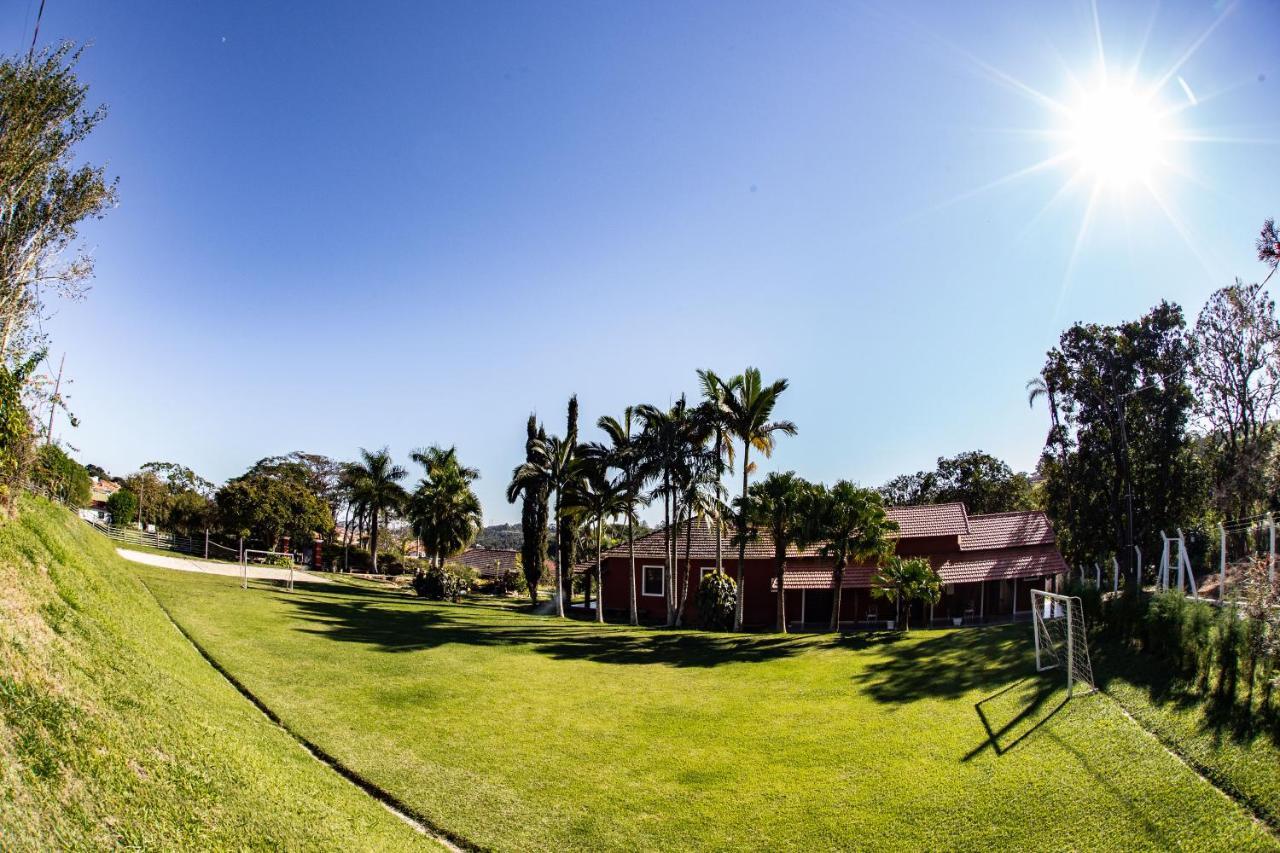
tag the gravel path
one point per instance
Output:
(209, 567)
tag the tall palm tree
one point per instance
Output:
(852, 524)
(623, 454)
(749, 405)
(702, 504)
(379, 490)
(778, 504)
(550, 463)
(567, 526)
(715, 411)
(530, 483)
(598, 497)
(443, 511)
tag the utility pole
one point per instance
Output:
(53, 401)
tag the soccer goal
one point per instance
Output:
(1061, 640)
(269, 556)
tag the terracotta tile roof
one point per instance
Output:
(930, 520)
(969, 567)
(1007, 530)
(913, 521)
(1002, 564)
(486, 560)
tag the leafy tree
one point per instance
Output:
(15, 426)
(1269, 247)
(377, 489)
(530, 483)
(852, 524)
(60, 477)
(780, 504)
(1236, 368)
(979, 480)
(749, 405)
(548, 466)
(123, 506)
(179, 498)
(269, 504)
(717, 598)
(1138, 370)
(907, 580)
(44, 195)
(153, 496)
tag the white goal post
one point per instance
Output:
(1061, 639)
(244, 565)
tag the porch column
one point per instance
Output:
(804, 595)
(982, 600)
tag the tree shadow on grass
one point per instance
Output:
(950, 664)
(392, 623)
(1220, 717)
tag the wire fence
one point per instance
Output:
(196, 546)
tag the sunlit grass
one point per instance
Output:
(522, 732)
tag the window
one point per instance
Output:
(652, 581)
(706, 570)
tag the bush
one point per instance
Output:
(509, 582)
(1090, 599)
(717, 596)
(443, 583)
(123, 506)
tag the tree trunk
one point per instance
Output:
(631, 556)
(373, 539)
(560, 584)
(837, 584)
(688, 571)
(780, 560)
(742, 536)
(600, 570)
(719, 486)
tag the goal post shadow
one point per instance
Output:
(1012, 714)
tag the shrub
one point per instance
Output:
(509, 582)
(1090, 599)
(123, 506)
(717, 595)
(442, 583)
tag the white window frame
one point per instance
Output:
(644, 577)
(703, 572)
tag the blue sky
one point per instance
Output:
(346, 225)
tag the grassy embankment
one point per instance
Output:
(114, 731)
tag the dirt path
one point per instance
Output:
(209, 567)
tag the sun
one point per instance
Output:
(1117, 136)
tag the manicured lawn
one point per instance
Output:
(114, 732)
(522, 732)
(1236, 749)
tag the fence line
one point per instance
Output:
(193, 545)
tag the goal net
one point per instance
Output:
(1061, 640)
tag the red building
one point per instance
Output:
(988, 563)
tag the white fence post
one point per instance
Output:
(1222, 561)
(1115, 575)
(1271, 561)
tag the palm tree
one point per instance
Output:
(595, 495)
(749, 406)
(702, 503)
(529, 484)
(852, 524)
(907, 580)
(567, 526)
(716, 413)
(549, 465)
(444, 511)
(623, 454)
(379, 490)
(778, 504)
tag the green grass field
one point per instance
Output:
(115, 732)
(522, 732)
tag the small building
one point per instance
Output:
(487, 562)
(988, 563)
(100, 491)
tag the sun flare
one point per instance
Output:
(1117, 137)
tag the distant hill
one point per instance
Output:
(507, 536)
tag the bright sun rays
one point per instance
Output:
(1117, 137)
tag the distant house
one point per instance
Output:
(989, 564)
(487, 562)
(100, 491)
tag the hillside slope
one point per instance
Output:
(114, 731)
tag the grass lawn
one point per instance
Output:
(1233, 748)
(114, 731)
(523, 732)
